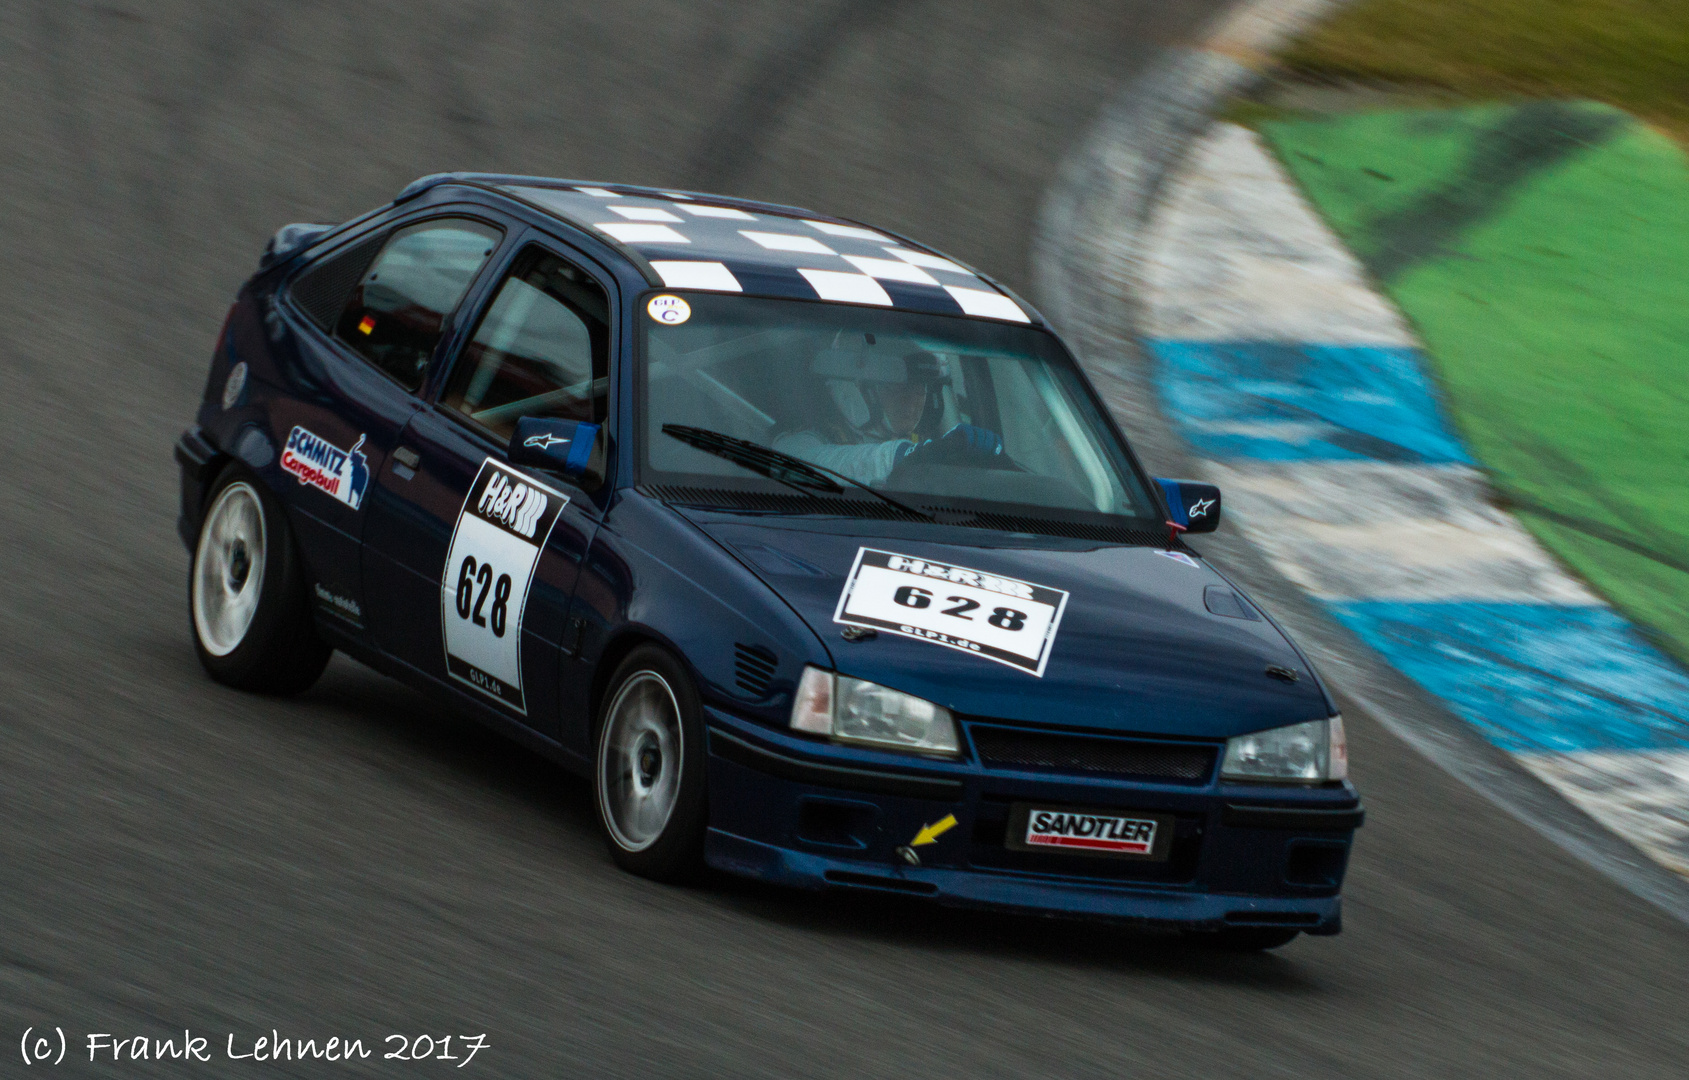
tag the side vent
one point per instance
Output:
(754, 667)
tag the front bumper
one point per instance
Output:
(803, 813)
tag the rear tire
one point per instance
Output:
(1242, 939)
(247, 606)
(649, 775)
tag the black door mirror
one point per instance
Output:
(571, 447)
(1194, 505)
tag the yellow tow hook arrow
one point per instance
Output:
(929, 834)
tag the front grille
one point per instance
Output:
(753, 668)
(1183, 763)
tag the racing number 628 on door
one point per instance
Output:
(501, 531)
(469, 606)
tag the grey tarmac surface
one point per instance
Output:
(359, 862)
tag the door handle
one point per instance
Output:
(405, 461)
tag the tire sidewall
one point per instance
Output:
(279, 597)
(677, 854)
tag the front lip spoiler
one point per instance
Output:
(1246, 816)
(740, 752)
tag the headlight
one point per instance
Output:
(855, 711)
(1299, 753)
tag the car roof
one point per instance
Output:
(691, 240)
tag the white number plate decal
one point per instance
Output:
(1002, 619)
(1052, 829)
(500, 533)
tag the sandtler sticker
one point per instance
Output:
(999, 618)
(1090, 832)
(501, 532)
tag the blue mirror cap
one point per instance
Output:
(1193, 504)
(564, 445)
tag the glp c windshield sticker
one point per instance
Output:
(501, 531)
(998, 618)
(318, 463)
(669, 310)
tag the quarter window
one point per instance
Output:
(542, 349)
(398, 310)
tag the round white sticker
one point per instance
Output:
(235, 384)
(669, 310)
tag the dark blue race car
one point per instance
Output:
(812, 547)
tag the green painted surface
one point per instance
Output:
(1542, 252)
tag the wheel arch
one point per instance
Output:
(620, 646)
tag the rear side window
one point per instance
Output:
(542, 349)
(321, 291)
(398, 309)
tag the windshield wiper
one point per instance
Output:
(794, 472)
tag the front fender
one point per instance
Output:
(652, 575)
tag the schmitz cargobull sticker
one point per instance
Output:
(501, 531)
(995, 617)
(318, 463)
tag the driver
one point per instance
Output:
(887, 408)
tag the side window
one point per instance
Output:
(321, 291)
(396, 313)
(542, 349)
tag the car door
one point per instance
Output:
(472, 562)
(380, 305)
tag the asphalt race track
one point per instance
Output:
(359, 862)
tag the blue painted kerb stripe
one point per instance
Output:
(1533, 678)
(1285, 402)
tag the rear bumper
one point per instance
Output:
(811, 815)
(197, 456)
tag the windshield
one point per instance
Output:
(936, 410)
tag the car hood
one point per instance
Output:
(1136, 648)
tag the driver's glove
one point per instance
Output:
(976, 439)
(961, 443)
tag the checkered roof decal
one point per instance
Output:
(694, 242)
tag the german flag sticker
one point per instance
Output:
(367, 324)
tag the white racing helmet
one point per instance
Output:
(853, 374)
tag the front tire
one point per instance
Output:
(649, 775)
(247, 606)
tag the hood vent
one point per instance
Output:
(753, 667)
